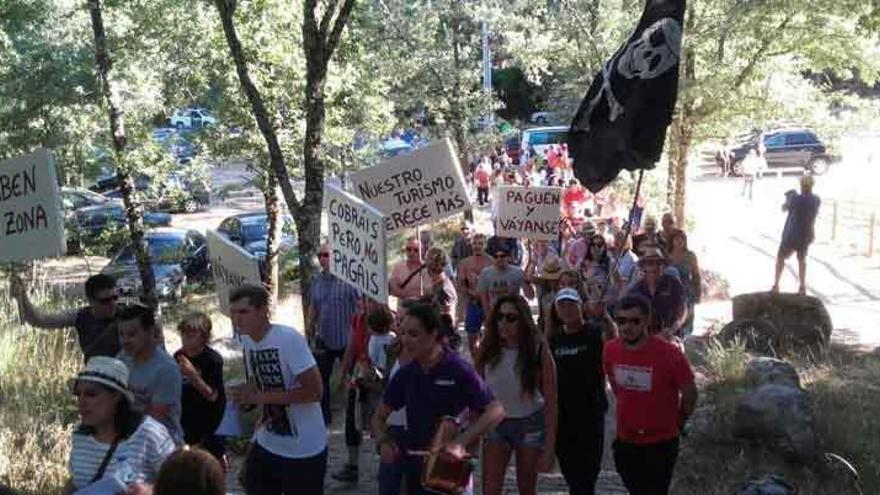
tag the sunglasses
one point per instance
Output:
(323, 255)
(412, 250)
(623, 320)
(108, 299)
(501, 255)
(508, 317)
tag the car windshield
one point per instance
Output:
(255, 231)
(162, 250)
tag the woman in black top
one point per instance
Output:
(577, 350)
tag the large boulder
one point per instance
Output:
(770, 322)
(765, 370)
(780, 416)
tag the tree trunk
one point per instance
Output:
(670, 169)
(319, 42)
(456, 112)
(273, 212)
(117, 129)
(685, 124)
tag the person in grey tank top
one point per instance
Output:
(519, 369)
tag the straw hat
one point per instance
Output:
(109, 372)
(652, 253)
(551, 269)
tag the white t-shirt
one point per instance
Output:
(141, 454)
(295, 431)
(377, 349)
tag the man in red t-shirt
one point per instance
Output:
(655, 391)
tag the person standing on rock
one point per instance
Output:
(798, 233)
(655, 390)
(95, 324)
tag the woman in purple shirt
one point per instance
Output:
(436, 384)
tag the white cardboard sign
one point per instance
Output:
(232, 267)
(356, 236)
(414, 189)
(31, 218)
(529, 212)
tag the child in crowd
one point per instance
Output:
(203, 399)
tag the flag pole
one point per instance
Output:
(627, 230)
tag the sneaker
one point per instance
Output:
(348, 474)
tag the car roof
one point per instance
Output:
(546, 128)
(166, 232)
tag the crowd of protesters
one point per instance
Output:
(461, 348)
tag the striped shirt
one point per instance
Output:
(141, 454)
(335, 303)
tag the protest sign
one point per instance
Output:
(31, 218)
(232, 267)
(357, 243)
(529, 212)
(414, 189)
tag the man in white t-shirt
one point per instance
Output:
(289, 451)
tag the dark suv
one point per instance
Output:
(789, 148)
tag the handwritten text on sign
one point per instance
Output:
(414, 189)
(232, 267)
(357, 243)
(31, 221)
(529, 212)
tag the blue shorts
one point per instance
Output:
(520, 432)
(473, 319)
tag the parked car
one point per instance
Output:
(251, 231)
(74, 198)
(174, 194)
(176, 255)
(85, 225)
(192, 118)
(537, 139)
(395, 146)
(787, 148)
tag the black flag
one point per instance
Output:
(621, 124)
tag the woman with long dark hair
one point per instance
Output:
(519, 369)
(114, 447)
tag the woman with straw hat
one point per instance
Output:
(114, 449)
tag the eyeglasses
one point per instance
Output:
(412, 250)
(323, 255)
(108, 299)
(623, 320)
(508, 317)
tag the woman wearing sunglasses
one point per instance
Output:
(577, 350)
(519, 370)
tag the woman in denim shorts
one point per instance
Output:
(520, 371)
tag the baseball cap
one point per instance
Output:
(568, 294)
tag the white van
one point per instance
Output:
(537, 139)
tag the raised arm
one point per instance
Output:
(34, 317)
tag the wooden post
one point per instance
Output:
(873, 222)
(834, 222)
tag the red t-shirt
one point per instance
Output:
(647, 382)
(360, 336)
(482, 178)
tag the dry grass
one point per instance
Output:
(845, 387)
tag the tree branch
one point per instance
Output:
(258, 105)
(326, 19)
(335, 35)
